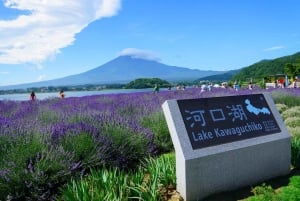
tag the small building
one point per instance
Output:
(276, 81)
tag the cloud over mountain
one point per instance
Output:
(48, 27)
(140, 54)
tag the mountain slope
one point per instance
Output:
(257, 70)
(220, 77)
(124, 69)
(266, 67)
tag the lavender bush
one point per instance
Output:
(45, 143)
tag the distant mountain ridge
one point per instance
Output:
(257, 70)
(224, 77)
(123, 69)
(266, 67)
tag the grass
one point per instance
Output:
(145, 183)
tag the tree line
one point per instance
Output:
(139, 83)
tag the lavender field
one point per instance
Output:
(44, 143)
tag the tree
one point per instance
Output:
(147, 83)
(292, 70)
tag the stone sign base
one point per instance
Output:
(237, 167)
(229, 166)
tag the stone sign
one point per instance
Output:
(224, 143)
(213, 121)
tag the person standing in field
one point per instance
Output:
(295, 82)
(32, 96)
(156, 88)
(62, 94)
(236, 85)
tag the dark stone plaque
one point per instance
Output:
(219, 120)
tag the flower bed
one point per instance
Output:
(45, 144)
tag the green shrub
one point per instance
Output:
(292, 191)
(294, 131)
(262, 193)
(32, 170)
(6, 144)
(126, 148)
(258, 198)
(291, 112)
(281, 107)
(295, 181)
(128, 110)
(292, 121)
(284, 98)
(17, 159)
(82, 145)
(158, 125)
(289, 193)
(295, 149)
(50, 169)
(48, 116)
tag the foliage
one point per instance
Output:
(164, 167)
(289, 108)
(157, 124)
(281, 107)
(286, 193)
(105, 184)
(262, 193)
(48, 116)
(292, 70)
(292, 122)
(295, 181)
(33, 170)
(295, 152)
(126, 147)
(82, 145)
(290, 97)
(147, 83)
(115, 184)
(292, 112)
(292, 191)
(289, 193)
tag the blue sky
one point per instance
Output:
(48, 39)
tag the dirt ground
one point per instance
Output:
(171, 194)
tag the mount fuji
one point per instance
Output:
(123, 69)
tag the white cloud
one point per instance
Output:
(4, 73)
(273, 48)
(50, 26)
(141, 54)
